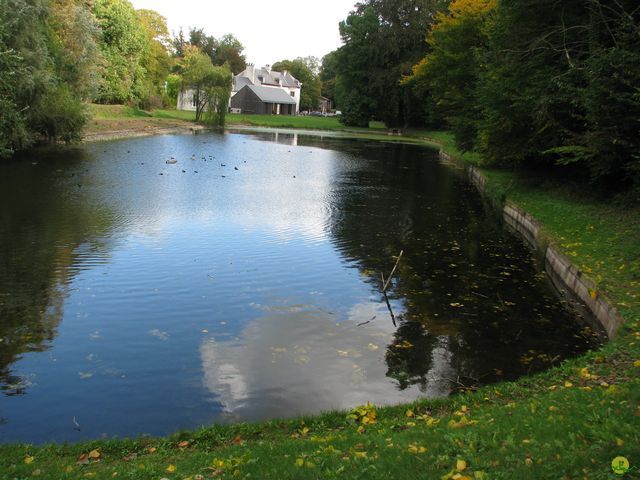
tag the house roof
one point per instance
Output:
(239, 82)
(269, 77)
(271, 95)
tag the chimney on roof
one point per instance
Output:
(251, 73)
(267, 67)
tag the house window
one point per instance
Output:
(293, 94)
(260, 79)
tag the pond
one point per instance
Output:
(243, 282)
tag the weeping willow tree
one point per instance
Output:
(211, 86)
(217, 92)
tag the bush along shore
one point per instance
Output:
(580, 419)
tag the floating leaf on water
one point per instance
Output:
(159, 334)
(302, 360)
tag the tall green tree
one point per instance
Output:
(450, 73)
(125, 46)
(306, 71)
(382, 40)
(157, 63)
(26, 72)
(227, 49)
(328, 75)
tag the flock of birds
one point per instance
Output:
(173, 160)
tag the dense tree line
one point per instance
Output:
(56, 56)
(47, 70)
(534, 82)
(541, 82)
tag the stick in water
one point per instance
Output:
(386, 299)
(386, 284)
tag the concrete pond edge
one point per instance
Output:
(562, 272)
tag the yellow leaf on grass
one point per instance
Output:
(299, 462)
(94, 454)
(415, 448)
(461, 465)
(409, 413)
(636, 364)
(28, 460)
(171, 468)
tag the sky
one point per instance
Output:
(269, 31)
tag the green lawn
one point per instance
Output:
(307, 122)
(120, 112)
(567, 423)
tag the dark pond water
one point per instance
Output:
(141, 297)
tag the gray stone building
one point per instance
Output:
(263, 100)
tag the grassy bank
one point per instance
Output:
(119, 117)
(306, 122)
(569, 422)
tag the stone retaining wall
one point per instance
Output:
(564, 274)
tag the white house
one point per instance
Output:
(260, 79)
(265, 77)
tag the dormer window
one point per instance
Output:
(260, 78)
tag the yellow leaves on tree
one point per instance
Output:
(459, 10)
(459, 14)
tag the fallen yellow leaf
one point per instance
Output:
(171, 468)
(94, 454)
(461, 465)
(28, 460)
